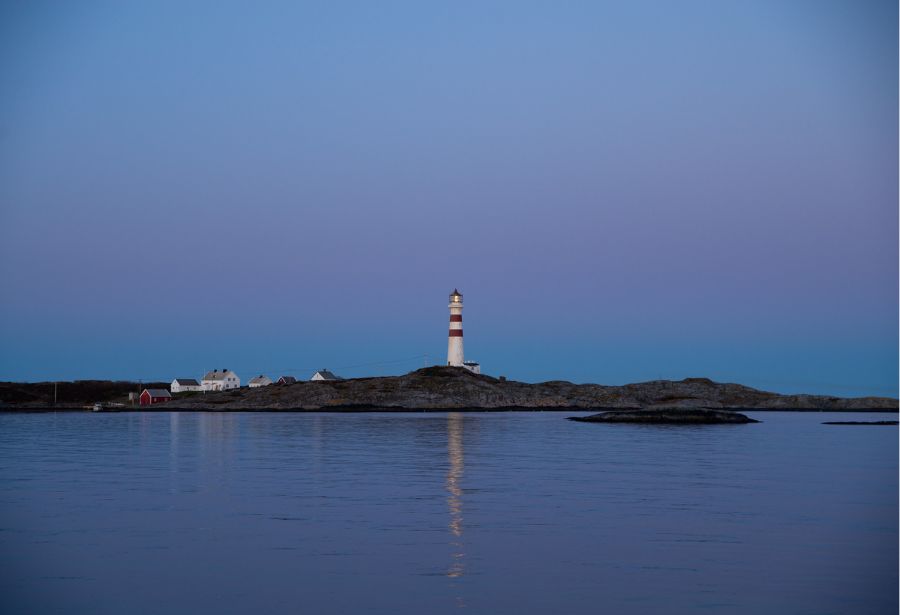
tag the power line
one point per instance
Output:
(288, 370)
(294, 370)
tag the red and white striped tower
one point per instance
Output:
(455, 339)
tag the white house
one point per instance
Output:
(259, 381)
(182, 385)
(220, 380)
(324, 374)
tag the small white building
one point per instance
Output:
(220, 380)
(472, 366)
(324, 374)
(183, 385)
(259, 381)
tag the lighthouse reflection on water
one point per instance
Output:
(454, 492)
(454, 499)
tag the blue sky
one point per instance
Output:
(622, 191)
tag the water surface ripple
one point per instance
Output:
(437, 513)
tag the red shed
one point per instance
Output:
(154, 396)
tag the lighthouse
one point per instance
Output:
(455, 337)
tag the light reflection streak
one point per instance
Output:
(454, 497)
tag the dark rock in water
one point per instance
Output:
(668, 416)
(860, 423)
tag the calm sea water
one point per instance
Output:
(437, 513)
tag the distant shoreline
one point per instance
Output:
(388, 410)
(434, 389)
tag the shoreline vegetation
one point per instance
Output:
(436, 389)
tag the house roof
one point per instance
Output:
(287, 379)
(187, 382)
(217, 374)
(157, 393)
(258, 379)
(327, 375)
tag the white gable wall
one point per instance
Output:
(177, 388)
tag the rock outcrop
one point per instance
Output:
(670, 416)
(454, 388)
(860, 423)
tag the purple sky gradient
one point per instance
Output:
(622, 191)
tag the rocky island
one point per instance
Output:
(439, 388)
(668, 416)
(453, 388)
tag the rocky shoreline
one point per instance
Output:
(451, 388)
